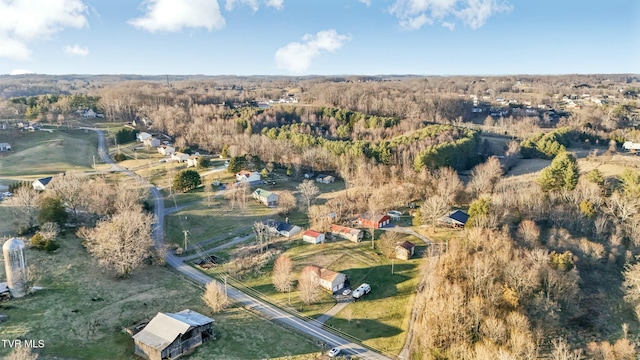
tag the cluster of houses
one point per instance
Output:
(165, 148)
(89, 114)
(28, 126)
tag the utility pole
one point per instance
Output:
(225, 286)
(392, 260)
(185, 239)
(94, 162)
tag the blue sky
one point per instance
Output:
(319, 37)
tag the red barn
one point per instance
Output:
(375, 222)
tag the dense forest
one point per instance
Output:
(547, 266)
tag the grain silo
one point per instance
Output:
(15, 267)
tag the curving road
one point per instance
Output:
(269, 311)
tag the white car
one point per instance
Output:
(346, 292)
(394, 213)
(333, 352)
(7, 194)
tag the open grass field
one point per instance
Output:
(47, 153)
(82, 309)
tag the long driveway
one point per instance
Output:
(270, 311)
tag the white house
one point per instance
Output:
(5, 147)
(327, 279)
(313, 237)
(41, 184)
(192, 161)
(179, 157)
(166, 150)
(344, 232)
(631, 146)
(151, 142)
(89, 114)
(247, 176)
(267, 198)
(142, 136)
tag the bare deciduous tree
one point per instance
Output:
(309, 285)
(388, 242)
(24, 206)
(282, 276)
(286, 202)
(122, 242)
(529, 232)
(263, 235)
(485, 176)
(309, 191)
(215, 296)
(432, 210)
(69, 188)
(22, 353)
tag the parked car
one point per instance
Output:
(333, 352)
(7, 194)
(346, 292)
(394, 213)
(362, 290)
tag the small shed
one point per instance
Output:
(170, 336)
(5, 147)
(313, 237)
(405, 250)
(455, 218)
(325, 179)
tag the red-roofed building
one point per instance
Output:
(313, 237)
(344, 232)
(375, 222)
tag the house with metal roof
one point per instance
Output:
(169, 336)
(456, 218)
(266, 197)
(41, 184)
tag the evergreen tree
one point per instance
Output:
(186, 180)
(562, 174)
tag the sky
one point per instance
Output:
(319, 37)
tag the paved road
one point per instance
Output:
(270, 311)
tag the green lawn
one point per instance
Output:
(381, 318)
(81, 311)
(44, 153)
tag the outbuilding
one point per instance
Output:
(170, 336)
(313, 237)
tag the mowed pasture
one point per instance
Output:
(47, 153)
(82, 309)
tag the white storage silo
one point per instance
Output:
(15, 267)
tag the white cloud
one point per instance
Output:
(76, 50)
(254, 4)
(297, 57)
(413, 14)
(278, 4)
(449, 25)
(366, 2)
(25, 21)
(20, 72)
(173, 16)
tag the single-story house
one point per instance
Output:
(631, 146)
(41, 184)
(455, 218)
(327, 279)
(282, 228)
(375, 222)
(405, 250)
(313, 237)
(5, 147)
(166, 150)
(169, 336)
(325, 179)
(247, 176)
(344, 232)
(266, 197)
(142, 136)
(151, 142)
(192, 161)
(179, 157)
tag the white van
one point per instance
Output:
(363, 289)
